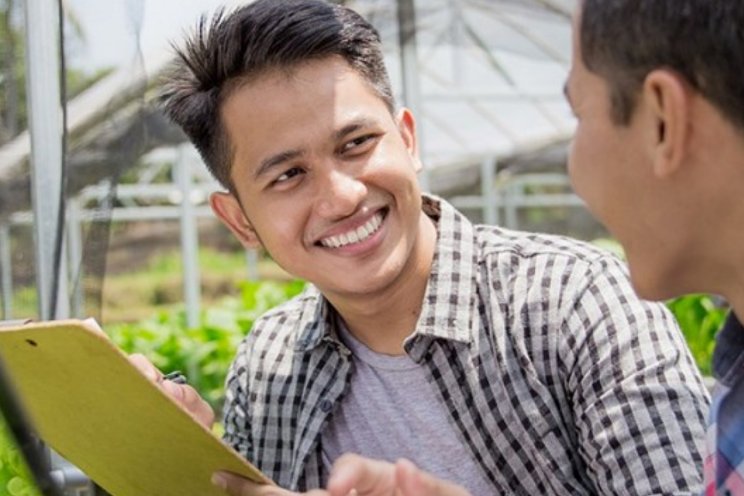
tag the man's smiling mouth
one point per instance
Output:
(357, 235)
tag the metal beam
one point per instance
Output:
(6, 268)
(46, 124)
(409, 73)
(189, 238)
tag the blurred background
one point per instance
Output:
(484, 79)
(103, 207)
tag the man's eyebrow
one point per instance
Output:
(269, 163)
(274, 160)
(353, 127)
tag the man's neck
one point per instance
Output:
(718, 269)
(725, 254)
(721, 238)
(382, 321)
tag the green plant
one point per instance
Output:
(204, 352)
(15, 480)
(700, 317)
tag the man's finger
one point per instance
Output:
(412, 481)
(353, 474)
(197, 406)
(189, 398)
(146, 367)
(235, 485)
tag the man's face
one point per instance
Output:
(326, 177)
(610, 169)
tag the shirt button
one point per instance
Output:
(326, 405)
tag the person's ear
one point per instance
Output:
(228, 209)
(667, 96)
(407, 128)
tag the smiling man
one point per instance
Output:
(505, 362)
(329, 190)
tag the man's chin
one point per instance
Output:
(650, 286)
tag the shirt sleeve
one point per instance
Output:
(637, 397)
(235, 417)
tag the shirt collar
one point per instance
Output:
(317, 321)
(450, 302)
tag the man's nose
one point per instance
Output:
(339, 194)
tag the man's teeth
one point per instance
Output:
(357, 235)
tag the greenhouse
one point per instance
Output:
(104, 202)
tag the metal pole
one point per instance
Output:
(251, 259)
(75, 252)
(409, 74)
(488, 191)
(189, 237)
(5, 272)
(457, 28)
(512, 192)
(46, 129)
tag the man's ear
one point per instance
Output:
(227, 207)
(407, 128)
(667, 96)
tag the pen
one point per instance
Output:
(176, 377)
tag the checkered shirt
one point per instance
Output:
(557, 378)
(724, 464)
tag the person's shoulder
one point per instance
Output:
(283, 322)
(525, 245)
(293, 307)
(527, 259)
(271, 342)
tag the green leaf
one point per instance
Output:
(700, 317)
(205, 352)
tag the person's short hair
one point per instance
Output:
(231, 50)
(703, 40)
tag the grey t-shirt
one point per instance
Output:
(391, 412)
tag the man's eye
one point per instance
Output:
(287, 175)
(358, 144)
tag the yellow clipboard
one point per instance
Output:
(98, 411)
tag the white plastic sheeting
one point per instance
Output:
(491, 74)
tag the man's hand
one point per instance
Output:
(412, 481)
(184, 394)
(353, 474)
(234, 485)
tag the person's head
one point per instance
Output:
(658, 153)
(701, 40)
(231, 50)
(289, 103)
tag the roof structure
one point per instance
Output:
(488, 78)
(490, 74)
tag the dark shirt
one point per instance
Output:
(724, 465)
(729, 347)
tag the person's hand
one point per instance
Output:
(356, 475)
(235, 485)
(412, 481)
(185, 395)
